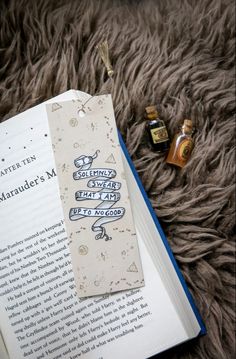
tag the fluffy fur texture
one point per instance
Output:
(180, 56)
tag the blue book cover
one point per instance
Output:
(162, 235)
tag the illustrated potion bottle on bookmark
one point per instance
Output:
(156, 130)
(181, 146)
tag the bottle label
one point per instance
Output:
(185, 149)
(159, 134)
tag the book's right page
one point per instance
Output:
(151, 234)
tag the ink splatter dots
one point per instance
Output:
(3, 159)
(73, 122)
(46, 135)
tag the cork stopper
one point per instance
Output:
(151, 111)
(187, 125)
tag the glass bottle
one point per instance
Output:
(181, 146)
(156, 129)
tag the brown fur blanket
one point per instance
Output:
(176, 54)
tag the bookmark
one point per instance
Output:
(98, 217)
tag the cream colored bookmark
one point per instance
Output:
(94, 194)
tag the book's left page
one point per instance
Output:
(27, 189)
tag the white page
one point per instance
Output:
(3, 349)
(49, 321)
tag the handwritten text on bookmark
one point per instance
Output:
(99, 222)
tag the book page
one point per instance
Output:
(41, 314)
(3, 349)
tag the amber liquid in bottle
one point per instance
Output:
(156, 130)
(181, 146)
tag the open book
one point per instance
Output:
(41, 315)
